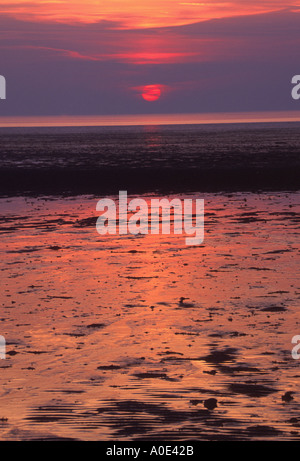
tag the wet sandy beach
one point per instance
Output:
(100, 345)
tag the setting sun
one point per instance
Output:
(151, 92)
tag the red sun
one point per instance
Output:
(151, 92)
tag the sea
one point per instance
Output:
(182, 158)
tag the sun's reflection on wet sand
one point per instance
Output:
(126, 337)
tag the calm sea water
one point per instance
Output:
(150, 158)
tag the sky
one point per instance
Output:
(123, 57)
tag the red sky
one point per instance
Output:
(95, 57)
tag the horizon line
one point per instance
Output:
(148, 119)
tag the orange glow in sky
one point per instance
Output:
(137, 14)
(146, 119)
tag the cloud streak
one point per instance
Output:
(136, 14)
(219, 39)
